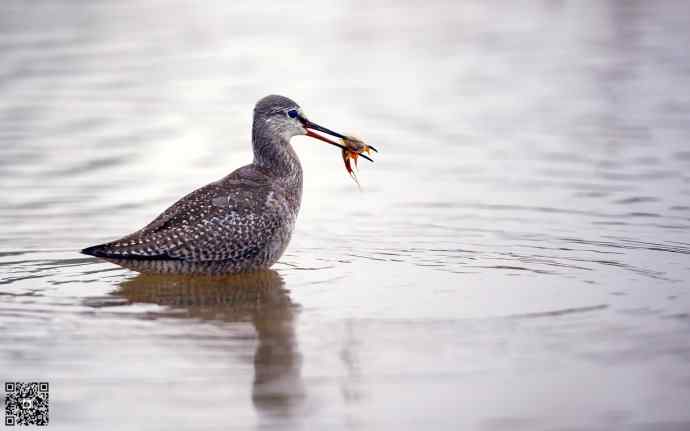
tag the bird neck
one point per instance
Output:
(275, 154)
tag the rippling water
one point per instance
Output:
(518, 257)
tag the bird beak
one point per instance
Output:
(310, 127)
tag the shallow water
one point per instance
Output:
(518, 257)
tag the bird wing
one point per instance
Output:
(229, 219)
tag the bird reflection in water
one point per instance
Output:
(259, 298)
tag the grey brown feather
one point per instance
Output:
(242, 222)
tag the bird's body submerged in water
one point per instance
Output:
(242, 222)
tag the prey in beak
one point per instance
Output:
(351, 147)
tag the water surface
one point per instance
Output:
(518, 257)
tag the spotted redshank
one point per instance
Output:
(242, 222)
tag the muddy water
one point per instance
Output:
(518, 257)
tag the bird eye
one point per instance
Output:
(293, 113)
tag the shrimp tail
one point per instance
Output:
(346, 160)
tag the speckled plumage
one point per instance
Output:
(242, 222)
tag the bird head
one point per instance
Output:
(285, 118)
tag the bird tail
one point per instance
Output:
(110, 251)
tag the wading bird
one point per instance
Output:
(242, 222)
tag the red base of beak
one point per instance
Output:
(323, 138)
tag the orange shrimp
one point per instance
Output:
(352, 149)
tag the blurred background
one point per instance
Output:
(518, 256)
